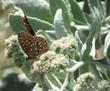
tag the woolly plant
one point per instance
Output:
(78, 39)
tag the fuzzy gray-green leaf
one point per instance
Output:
(64, 5)
(36, 8)
(59, 24)
(17, 23)
(78, 15)
(97, 9)
(93, 69)
(107, 7)
(108, 52)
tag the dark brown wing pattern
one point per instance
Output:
(27, 43)
(42, 45)
(28, 26)
(31, 44)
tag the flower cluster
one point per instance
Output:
(103, 85)
(84, 81)
(49, 61)
(65, 45)
(13, 50)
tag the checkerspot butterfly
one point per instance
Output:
(31, 44)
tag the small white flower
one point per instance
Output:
(13, 50)
(84, 78)
(49, 61)
(84, 82)
(64, 43)
(103, 84)
(77, 87)
(10, 44)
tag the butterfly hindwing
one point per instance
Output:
(27, 43)
(42, 45)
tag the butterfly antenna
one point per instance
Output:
(28, 26)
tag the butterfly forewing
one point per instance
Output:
(27, 43)
(28, 26)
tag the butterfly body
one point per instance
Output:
(31, 44)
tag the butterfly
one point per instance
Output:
(31, 44)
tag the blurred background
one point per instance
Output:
(11, 77)
(5, 32)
